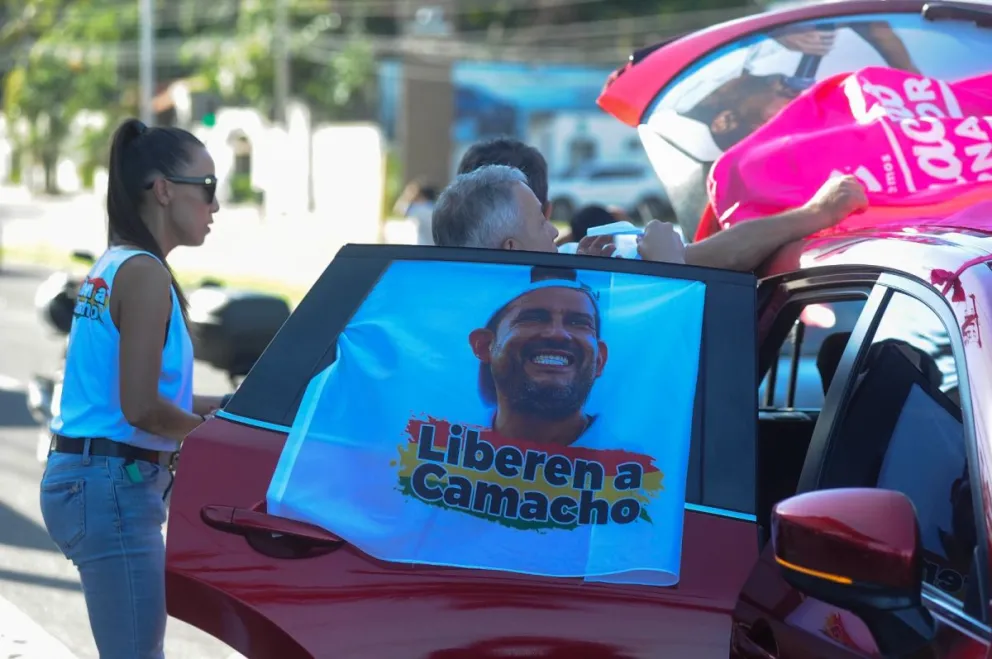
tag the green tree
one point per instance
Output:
(45, 94)
(240, 68)
(63, 67)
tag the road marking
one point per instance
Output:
(22, 637)
(8, 383)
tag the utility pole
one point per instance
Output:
(146, 10)
(281, 54)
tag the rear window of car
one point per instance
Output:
(724, 97)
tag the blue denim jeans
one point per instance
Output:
(110, 527)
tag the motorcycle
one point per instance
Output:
(229, 329)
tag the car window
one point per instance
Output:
(902, 430)
(926, 457)
(724, 97)
(821, 333)
(720, 477)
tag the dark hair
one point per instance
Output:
(136, 154)
(514, 153)
(588, 217)
(428, 192)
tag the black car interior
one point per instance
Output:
(784, 434)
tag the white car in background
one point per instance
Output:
(631, 186)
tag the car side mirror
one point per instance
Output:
(858, 549)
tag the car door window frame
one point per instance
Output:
(720, 477)
(835, 407)
(781, 300)
(785, 319)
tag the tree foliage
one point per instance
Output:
(240, 67)
(57, 76)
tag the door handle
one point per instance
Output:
(245, 521)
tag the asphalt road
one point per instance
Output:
(34, 577)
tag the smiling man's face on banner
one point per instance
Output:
(543, 351)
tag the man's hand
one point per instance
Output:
(596, 246)
(661, 243)
(811, 42)
(838, 198)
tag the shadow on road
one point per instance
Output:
(19, 531)
(38, 580)
(14, 410)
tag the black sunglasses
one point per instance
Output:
(208, 183)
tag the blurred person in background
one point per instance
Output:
(417, 204)
(586, 218)
(743, 247)
(127, 401)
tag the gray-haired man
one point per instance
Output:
(493, 207)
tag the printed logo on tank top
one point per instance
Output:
(93, 299)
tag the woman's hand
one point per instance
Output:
(206, 405)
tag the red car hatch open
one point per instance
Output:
(693, 98)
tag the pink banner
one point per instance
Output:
(922, 147)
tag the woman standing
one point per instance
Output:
(127, 400)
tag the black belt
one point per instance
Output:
(110, 449)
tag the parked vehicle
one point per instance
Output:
(855, 525)
(627, 185)
(230, 328)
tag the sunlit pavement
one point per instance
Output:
(42, 613)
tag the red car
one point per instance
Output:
(856, 526)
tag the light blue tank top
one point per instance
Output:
(90, 404)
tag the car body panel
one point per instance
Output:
(368, 608)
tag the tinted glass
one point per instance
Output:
(826, 326)
(724, 97)
(902, 430)
(925, 457)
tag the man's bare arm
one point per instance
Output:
(745, 246)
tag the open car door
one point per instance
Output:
(478, 453)
(695, 97)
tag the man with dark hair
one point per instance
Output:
(742, 247)
(512, 153)
(540, 354)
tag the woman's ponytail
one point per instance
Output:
(134, 155)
